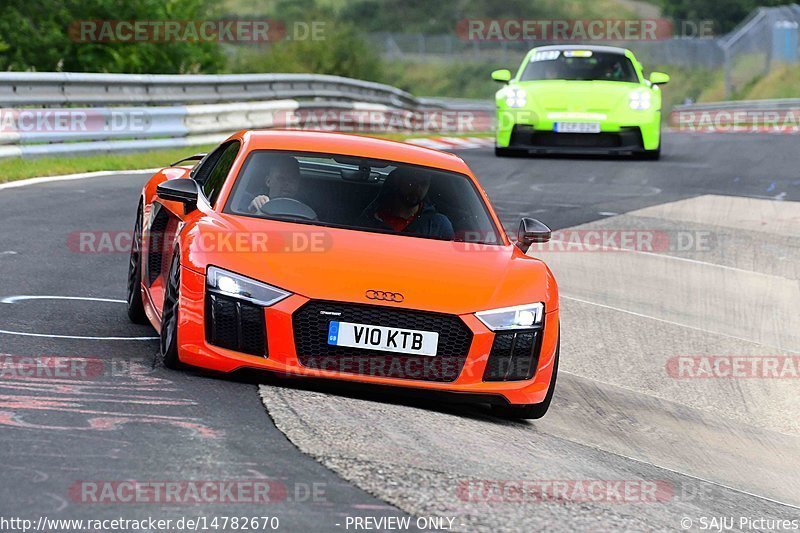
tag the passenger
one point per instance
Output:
(402, 206)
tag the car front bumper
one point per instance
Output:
(468, 379)
(527, 131)
(526, 138)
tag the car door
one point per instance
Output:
(166, 219)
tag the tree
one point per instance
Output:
(36, 34)
(725, 14)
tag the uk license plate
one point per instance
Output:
(385, 339)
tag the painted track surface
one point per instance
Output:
(617, 415)
(127, 417)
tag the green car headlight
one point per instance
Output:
(518, 317)
(516, 98)
(640, 100)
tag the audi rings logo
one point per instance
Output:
(385, 296)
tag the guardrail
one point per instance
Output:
(780, 116)
(70, 113)
(66, 89)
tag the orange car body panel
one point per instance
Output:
(446, 277)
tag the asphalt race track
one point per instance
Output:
(725, 282)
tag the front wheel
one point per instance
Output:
(135, 305)
(535, 410)
(169, 315)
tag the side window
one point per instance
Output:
(212, 185)
(203, 169)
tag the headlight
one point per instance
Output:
(236, 286)
(519, 317)
(516, 98)
(640, 100)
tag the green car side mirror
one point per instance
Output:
(503, 75)
(659, 78)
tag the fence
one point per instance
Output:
(768, 36)
(418, 47)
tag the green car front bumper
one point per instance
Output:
(526, 131)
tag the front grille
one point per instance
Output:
(235, 325)
(310, 324)
(513, 357)
(626, 138)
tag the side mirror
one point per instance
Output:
(182, 190)
(503, 75)
(531, 231)
(659, 78)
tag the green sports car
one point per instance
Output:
(579, 99)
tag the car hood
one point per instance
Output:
(342, 265)
(566, 96)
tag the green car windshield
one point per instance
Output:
(579, 65)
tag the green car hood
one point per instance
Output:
(578, 96)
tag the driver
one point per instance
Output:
(281, 180)
(402, 206)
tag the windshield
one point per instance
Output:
(362, 194)
(584, 65)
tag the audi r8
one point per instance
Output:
(348, 258)
(579, 99)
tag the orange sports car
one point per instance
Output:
(345, 257)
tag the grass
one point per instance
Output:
(445, 78)
(709, 86)
(782, 82)
(699, 85)
(19, 168)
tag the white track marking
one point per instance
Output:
(641, 315)
(678, 472)
(568, 244)
(21, 298)
(15, 299)
(76, 337)
(70, 177)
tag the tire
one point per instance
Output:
(135, 305)
(531, 411)
(169, 316)
(651, 155)
(506, 152)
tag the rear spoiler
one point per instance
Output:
(195, 157)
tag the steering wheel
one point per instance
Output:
(288, 207)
